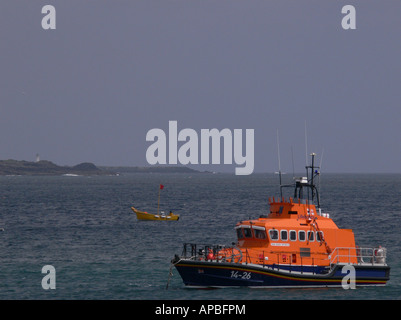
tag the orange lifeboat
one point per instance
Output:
(294, 245)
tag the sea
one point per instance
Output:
(84, 228)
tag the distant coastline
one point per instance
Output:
(151, 169)
(48, 168)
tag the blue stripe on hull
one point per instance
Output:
(204, 274)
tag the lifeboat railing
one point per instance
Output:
(280, 261)
(266, 259)
(285, 261)
(212, 252)
(362, 256)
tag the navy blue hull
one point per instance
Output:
(217, 274)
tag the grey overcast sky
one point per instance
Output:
(91, 89)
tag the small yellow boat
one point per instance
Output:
(141, 215)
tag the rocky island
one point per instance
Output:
(44, 167)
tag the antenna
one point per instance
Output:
(321, 159)
(320, 168)
(293, 168)
(306, 146)
(279, 164)
(278, 152)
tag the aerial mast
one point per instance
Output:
(279, 165)
(312, 175)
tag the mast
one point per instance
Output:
(311, 185)
(311, 193)
(158, 202)
(308, 183)
(158, 198)
(312, 172)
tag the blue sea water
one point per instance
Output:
(83, 226)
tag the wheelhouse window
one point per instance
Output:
(311, 236)
(284, 235)
(259, 234)
(301, 235)
(319, 236)
(247, 233)
(293, 235)
(273, 233)
(240, 235)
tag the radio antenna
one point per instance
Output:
(320, 169)
(321, 159)
(279, 164)
(278, 152)
(306, 146)
(293, 168)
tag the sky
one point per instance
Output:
(91, 89)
